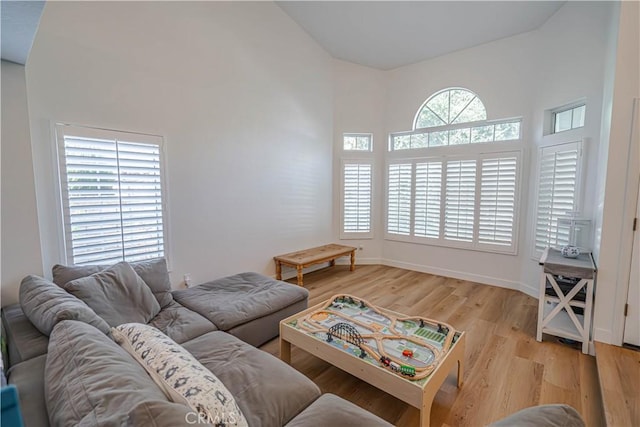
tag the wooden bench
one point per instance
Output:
(307, 257)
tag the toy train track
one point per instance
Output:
(409, 346)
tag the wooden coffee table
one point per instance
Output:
(385, 339)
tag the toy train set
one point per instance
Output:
(408, 346)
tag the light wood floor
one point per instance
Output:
(505, 368)
(619, 371)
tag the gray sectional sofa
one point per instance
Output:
(69, 370)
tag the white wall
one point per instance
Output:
(359, 107)
(498, 73)
(569, 66)
(19, 230)
(243, 98)
(620, 185)
(519, 76)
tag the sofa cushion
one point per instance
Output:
(332, 411)
(153, 272)
(28, 377)
(545, 415)
(45, 304)
(180, 323)
(90, 380)
(238, 299)
(117, 294)
(24, 341)
(179, 374)
(268, 391)
(158, 413)
(63, 274)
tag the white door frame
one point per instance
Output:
(629, 212)
(635, 304)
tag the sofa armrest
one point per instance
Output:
(24, 341)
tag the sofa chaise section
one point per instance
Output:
(246, 305)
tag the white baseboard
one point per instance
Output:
(532, 291)
(486, 280)
(525, 288)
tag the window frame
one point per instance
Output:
(356, 135)
(467, 125)
(351, 235)
(579, 199)
(565, 108)
(362, 157)
(444, 156)
(59, 128)
(436, 94)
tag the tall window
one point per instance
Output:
(454, 180)
(558, 178)
(112, 195)
(356, 186)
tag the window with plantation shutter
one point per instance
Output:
(459, 212)
(356, 198)
(558, 177)
(427, 199)
(497, 200)
(455, 201)
(399, 198)
(112, 195)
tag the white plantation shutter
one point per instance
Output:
(356, 196)
(111, 195)
(428, 189)
(497, 201)
(459, 210)
(557, 192)
(399, 199)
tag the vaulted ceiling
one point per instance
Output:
(379, 34)
(390, 34)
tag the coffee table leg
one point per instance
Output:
(353, 260)
(460, 372)
(425, 412)
(299, 268)
(285, 351)
(278, 270)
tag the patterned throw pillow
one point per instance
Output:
(179, 374)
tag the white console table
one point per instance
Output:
(556, 315)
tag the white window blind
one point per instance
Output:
(497, 200)
(557, 192)
(427, 199)
(111, 195)
(459, 212)
(356, 200)
(399, 199)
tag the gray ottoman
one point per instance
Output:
(249, 306)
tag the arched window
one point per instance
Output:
(456, 181)
(450, 106)
(453, 116)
